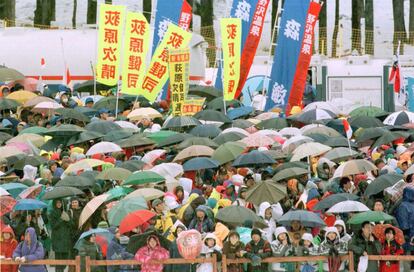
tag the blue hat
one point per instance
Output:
(103, 110)
(88, 100)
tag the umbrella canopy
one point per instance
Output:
(306, 219)
(267, 116)
(253, 158)
(399, 118)
(8, 151)
(339, 142)
(135, 140)
(124, 207)
(31, 192)
(143, 177)
(257, 140)
(322, 105)
(179, 122)
(217, 104)
(354, 167)
(61, 192)
(194, 151)
(98, 231)
(213, 116)
(370, 216)
(174, 139)
(339, 154)
(241, 123)
(207, 130)
(114, 174)
(102, 126)
(151, 156)
(365, 122)
(127, 125)
(29, 205)
(91, 207)
(118, 192)
(382, 182)
(197, 141)
(331, 200)
(274, 123)
(168, 169)
(196, 164)
(236, 129)
(8, 104)
(85, 164)
(3, 192)
(379, 232)
(141, 113)
(388, 137)
(320, 129)
(85, 136)
(311, 116)
(4, 137)
(134, 165)
(36, 100)
(103, 147)
(160, 136)
(90, 112)
(35, 139)
(147, 193)
(10, 74)
(309, 149)
(90, 86)
(209, 92)
(64, 131)
(29, 160)
(237, 215)
(289, 173)
(109, 103)
(348, 206)
(239, 112)
(370, 111)
(47, 108)
(292, 143)
(117, 135)
(135, 219)
(72, 114)
(75, 181)
(228, 137)
(34, 130)
(228, 152)
(22, 96)
(267, 191)
(290, 131)
(6, 204)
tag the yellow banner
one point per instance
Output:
(136, 45)
(111, 24)
(230, 29)
(179, 66)
(157, 74)
(193, 105)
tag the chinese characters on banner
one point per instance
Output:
(193, 105)
(179, 66)
(231, 45)
(299, 82)
(186, 15)
(136, 45)
(111, 24)
(157, 74)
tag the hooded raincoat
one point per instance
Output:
(207, 252)
(405, 214)
(31, 252)
(6, 249)
(267, 232)
(332, 248)
(146, 254)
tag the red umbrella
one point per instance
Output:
(379, 232)
(31, 192)
(6, 204)
(134, 220)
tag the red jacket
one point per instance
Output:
(392, 248)
(6, 249)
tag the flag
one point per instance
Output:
(42, 63)
(185, 16)
(347, 129)
(179, 62)
(395, 77)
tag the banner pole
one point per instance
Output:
(117, 100)
(94, 79)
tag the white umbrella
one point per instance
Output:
(168, 169)
(348, 206)
(128, 125)
(309, 149)
(267, 115)
(153, 155)
(103, 147)
(324, 105)
(292, 143)
(290, 131)
(354, 167)
(268, 132)
(47, 107)
(85, 164)
(141, 113)
(343, 104)
(399, 118)
(3, 192)
(236, 129)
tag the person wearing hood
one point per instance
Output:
(390, 247)
(8, 244)
(333, 247)
(150, 252)
(174, 253)
(190, 210)
(201, 222)
(61, 232)
(282, 247)
(233, 248)
(29, 172)
(256, 250)
(209, 248)
(343, 235)
(21, 223)
(29, 250)
(241, 199)
(117, 251)
(307, 248)
(266, 212)
(89, 247)
(230, 192)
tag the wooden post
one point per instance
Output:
(78, 264)
(224, 263)
(214, 263)
(351, 261)
(87, 264)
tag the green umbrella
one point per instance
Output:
(75, 181)
(209, 92)
(179, 122)
(273, 123)
(367, 111)
(389, 136)
(228, 152)
(29, 160)
(118, 192)
(110, 104)
(197, 141)
(117, 135)
(14, 188)
(102, 126)
(287, 165)
(306, 219)
(339, 142)
(89, 87)
(4, 137)
(365, 122)
(174, 139)
(143, 177)
(10, 74)
(8, 104)
(212, 115)
(160, 136)
(90, 112)
(340, 153)
(208, 130)
(132, 166)
(114, 174)
(268, 191)
(362, 135)
(84, 137)
(289, 173)
(34, 130)
(135, 140)
(72, 114)
(228, 137)
(218, 104)
(240, 123)
(370, 216)
(124, 207)
(237, 215)
(64, 131)
(61, 192)
(382, 182)
(320, 138)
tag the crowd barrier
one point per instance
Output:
(213, 260)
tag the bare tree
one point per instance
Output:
(400, 33)
(323, 31)
(336, 29)
(369, 27)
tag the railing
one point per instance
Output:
(76, 263)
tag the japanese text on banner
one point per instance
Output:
(179, 66)
(193, 105)
(111, 24)
(231, 43)
(136, 45)
(157, 74)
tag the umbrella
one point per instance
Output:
(354, 167)
(67, 114)
(213, 116)
(207, 130)
(141, 113)
(22, 96)
(124, 207)
(3, 192)
(239, 112)
(228, 137)
(348, 206)
(75, 181)
(306, 218)
(160, 136)
(209, 92)
(135, 219)
(290, 131)
(267, 191)
(228, 152)
(8, 104)
(369, 133)
(168, 169)
(399, 118)
(10, 74)
(98, 231)
(196, 164)
(340, 154)
(147, 193)
(23, 147)
(132, 166)
(365, 122)
(241, 123)
(29, 160)
(382, 182)
(35, 139)
(197, 141)
(36, 100)
(6, 204)
(179, 122)
(257, 140)
(90, 112)
(29, 205)
(103, 147)
(34, 130)
(127, 126)
(143, 177)
(388, 137)
(370, 111)
(274, 123)
(309, 149)
(320, 129)
(102, 126)
(85, 164)
(135, 140)
(253, 158)
(4, 137)
(84, 137)
(194, 151)
(379, 232)
(267, 115)
(47, 108)
(91, 207)
(14, 188)
(64, 131)
(90, 86)
(174, 139)
(61, 192)
(322, 105)
(31, 192)
(109, 103)
(151, 156)
(139, 240)
(311, 116)
(114, 174)
(236, 129)
(277, 154)
(218, 104)
(237, 215)
(118, 192)
(331, 200)
(292, 143)
(117, 135)
(370, 216)
(289, 173)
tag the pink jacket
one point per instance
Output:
(146, 254)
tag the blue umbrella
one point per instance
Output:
(29, 205)
(14, 188)
(239, 112)
(200, 163)
(306, 218)
(104, 232)
(252, 85)
(253, 158)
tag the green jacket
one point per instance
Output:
(359, 244)
(92, 250)
(61, 232)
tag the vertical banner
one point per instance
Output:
(185, 16)
(252, 42)
(111, 24)
(136, 45)
(244, 10)
(193, 105)
(230, 29)
(410, 93)
(289, 44)
(179, 66)
(157, 74)
(298, 86)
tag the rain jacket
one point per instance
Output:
(189, 212)
(221, 232)
(175, 254)
(6, 249)
(164, 222)
(392, 248)
(405, 214)
(267, 232)
(281, 250)
(29, 172)
(61, 231)
(31, 253)
(207, 252)
(93, 250)
(359, 244)
(262, 249)
(233, 252)
(332, 248)
(344, 236)
(146, 254)
(116, 251)
(204, 226)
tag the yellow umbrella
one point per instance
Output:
(35, 139)
(91, 207)
(83, 164)
(22, 96)
(194, 151)
(138, 114)
(36, 100)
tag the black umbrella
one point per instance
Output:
(117, 135)
(208, 130)
(84, 137)
(273, 123)
(75, 181)
(91, 175)
(389, 136)
(89, 87)
(311, 116)
(102, 126)
(368, 134)
(110, 104)
(134, 141)
(139, 240)
(218, 104)
(382, 182)
(61, 192)
(318, 137)
(277, 154)
(55, 143)
(289, 173)
(331, 200)
(253, 158)
(212, 115)
(197, 141)
(365, 122)
(339, 142)
(72, 114)
(29, 160)
(287, 165)
(209, 92)
(8, 104)
(64, 131)
(241, 123)
(179, 122)
(228, 137)
(90, 112)
(133, 165)
(174, 139)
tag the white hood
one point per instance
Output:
(186, 183)
(29, 172)
(280, 230)
(262, 208)
(341, 223)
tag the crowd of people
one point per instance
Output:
(94, 182)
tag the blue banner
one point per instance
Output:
(219, 80)
(286, 57)
(410, 93)
(244, 9)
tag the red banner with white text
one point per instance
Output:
(186, 15)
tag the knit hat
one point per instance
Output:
(212, 202)
(307, 237)
(156, 202)
(256, 231)
(103, 225)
